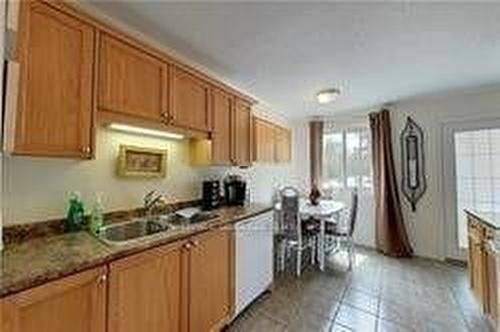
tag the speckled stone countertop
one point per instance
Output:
(491, 220)
(34, 262)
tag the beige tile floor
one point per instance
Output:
(379, 294)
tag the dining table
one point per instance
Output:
(327, 210)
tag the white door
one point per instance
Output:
(471, 177)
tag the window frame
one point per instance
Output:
(344, 130)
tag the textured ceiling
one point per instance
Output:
(283, 53)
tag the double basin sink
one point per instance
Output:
(125, 232)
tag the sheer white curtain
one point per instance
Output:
(347, 165)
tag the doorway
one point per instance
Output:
(471, 175)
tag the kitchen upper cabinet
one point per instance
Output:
(189, 101)
(131, 81)
(282, 145)
(241, 135)
(221, 134)
(264, 141)
(76, 303)
(145, 291)
(211, 279)
(230, 142)
(272, 143)
(55, 108)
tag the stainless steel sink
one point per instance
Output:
(123, 233)
(135, 229)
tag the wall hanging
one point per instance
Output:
(413, 162)
(134, 161)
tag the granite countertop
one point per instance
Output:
(34, 262)
(491, 220)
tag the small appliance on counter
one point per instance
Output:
(211, 196)
(234, 190)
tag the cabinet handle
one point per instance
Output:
(86, 149)
(102, 279)
(188, 246)
(195, 243)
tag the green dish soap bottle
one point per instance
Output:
(97, 216)
(74, 221)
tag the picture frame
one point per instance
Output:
(142, 162)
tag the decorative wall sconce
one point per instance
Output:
(413, 162)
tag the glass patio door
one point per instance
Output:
(472, 178)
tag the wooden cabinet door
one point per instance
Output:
(131, 81)
(264, 141)
(189, 104)
(242, 121)
(221, 135)
(477, 266)
(283, 144)
(56, 55)
(211, 281)
(76, 303)
(145, 291)
(493, 267)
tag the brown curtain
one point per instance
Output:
(316, 151)
(391, 236)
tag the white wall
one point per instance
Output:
(427, 226)
(38, 188)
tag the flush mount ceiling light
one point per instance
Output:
(327, 96)
(143, 131)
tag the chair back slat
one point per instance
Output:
(290, 212)
(353, 211)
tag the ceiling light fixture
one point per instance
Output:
(327, 96)
(143, 131)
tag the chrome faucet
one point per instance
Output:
(151, 199)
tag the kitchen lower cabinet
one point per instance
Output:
(484, 266)
(211, 289)
(76, 303)
(493, 275)
(186, 286)
(477, 265)
(145, 291)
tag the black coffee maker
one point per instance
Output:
(235, 189)
(211, 198)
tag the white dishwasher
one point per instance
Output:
(254, 258)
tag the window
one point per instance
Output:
(477, 156)
(346, 159)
